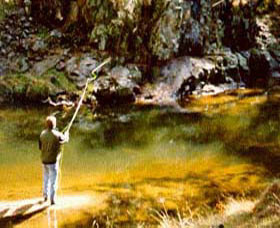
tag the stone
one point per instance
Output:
(276, 74)
(276, 54)
(80, 69)
(11, 55)
(261, 65)
(104, 89)
(3, 51)
(243, 62)
(56, 34)
(23, 19)
(87, 65)
(244, 70)
(3, 67)
(60, 66)
(135, 74)
(231, 64)
(26, 31)
(177, 69)
(201, 72)
(8, 38)
(182, 76)
(27, 25)
(119, 72)
(120, 87)
(42, 67)
(71, 65)
(39, 46)
(192, 40)
(23, 64)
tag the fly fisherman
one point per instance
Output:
(50, 145)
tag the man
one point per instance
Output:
(50, 145)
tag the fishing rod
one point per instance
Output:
(66, 130)
(89, 80)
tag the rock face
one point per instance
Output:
(240, 28)
(189, 47)
(178, 78)
(15, 40)
(121, 86)
(159, 29)
(186, 73)
(43, 66)
(79, 69)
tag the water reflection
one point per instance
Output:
(52, 218)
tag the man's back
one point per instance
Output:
(50, 145)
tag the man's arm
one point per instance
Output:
(64, 138)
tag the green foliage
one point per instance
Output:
(268, 6)
(5, 7)
(43, 32)
(59, 80)
(26, 87)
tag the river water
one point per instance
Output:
(140, 159)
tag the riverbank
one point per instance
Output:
(160, 105)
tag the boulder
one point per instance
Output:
(39, 46)
(23, 64)
(176, 71)
(262, 65)
(190, 75)
(244, 70)
(43, 66)
(274, 50)
(121, 86)
(229, 67)
(200, 70)
(192, 39)
(182, 76)
(79, 69)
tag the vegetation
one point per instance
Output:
(5, 6)
(24, 88)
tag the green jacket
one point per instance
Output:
(50, 143)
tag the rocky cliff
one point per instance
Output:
(183, 47)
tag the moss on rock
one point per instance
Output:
(25, 88)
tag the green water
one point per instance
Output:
(153, 155)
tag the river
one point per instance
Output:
(137, 160)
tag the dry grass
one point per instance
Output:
(166, 221)
(236, 213)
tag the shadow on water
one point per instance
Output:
(260, 141)
(132, 126)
